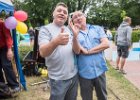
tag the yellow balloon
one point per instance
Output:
(21, 27)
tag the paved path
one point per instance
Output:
(133, 70)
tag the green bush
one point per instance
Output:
(135, 35)
(113, 34)
(23, 50)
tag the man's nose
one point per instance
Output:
(78, 17)
(62, 12)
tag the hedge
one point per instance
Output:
(135, 35)
(23, 50)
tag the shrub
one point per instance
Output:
(23, 50)
(135, 35)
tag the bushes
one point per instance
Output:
(135, 35)
(113, 34)
(23, 50)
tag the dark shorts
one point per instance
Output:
(123, 51)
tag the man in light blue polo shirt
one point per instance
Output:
(91, 61)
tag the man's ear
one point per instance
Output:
(53, 14)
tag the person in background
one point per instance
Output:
(56, 46)
(108, 52)
(92, 41)
(109, 34)
(124, 33)
(6, 56)
(32, 35)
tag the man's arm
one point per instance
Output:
(9, 42)
(47, 49)
(8, 37)
(76, 45)
(75, 30)
(102, 46)
(47, 46)
(129, 34)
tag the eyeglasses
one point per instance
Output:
(78, 16)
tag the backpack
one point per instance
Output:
(4, 91)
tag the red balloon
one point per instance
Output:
(21, 15)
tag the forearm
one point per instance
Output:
(47, 49)
(129, 40)
(98, 48)
(9, 49)
(76, 46)
(9, 54)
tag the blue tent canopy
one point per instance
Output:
(6, 5)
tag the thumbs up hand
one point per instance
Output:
(62, 30)
(62, 38)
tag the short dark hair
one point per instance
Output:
(61, 4)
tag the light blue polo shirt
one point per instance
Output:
(91, 66)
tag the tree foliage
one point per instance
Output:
(103, 12)
(111, 12)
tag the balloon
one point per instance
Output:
(10, 22)
(21, 27)
(20, 15)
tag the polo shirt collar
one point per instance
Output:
(85, 32)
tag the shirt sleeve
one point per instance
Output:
(129, 34)
(44, 36)
(8, 37)
(101, 32)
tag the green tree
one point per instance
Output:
(123, 14)
(41, 10)
(103, 12)
(111, 12)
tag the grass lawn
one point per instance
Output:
(118, 88)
